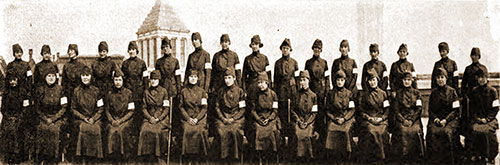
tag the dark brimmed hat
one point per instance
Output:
(304, 74)
(224, 38)
(133, 45)
(475, 51)
(16, 48)
(73, 47)
(286, 42)
(403, 46)
(165, 41)
(103, 46)
(344, 43)
(443, 46)
(317, 44)
(196, 36)
(155, 74)
(256, 40)
(374, 47)
(45, 49)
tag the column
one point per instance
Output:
(139, 45)
(143, 48)
(146, 58)
(158, 49)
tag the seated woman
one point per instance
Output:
(50, 104)
(407, 140)
(305, 109)
(442, 136)
(230, 108)
(119, 109)
(483, 110)
(340, 120)
(264, 111)
(193, 107)
(373, 114)
(87, 109)
(153, 136)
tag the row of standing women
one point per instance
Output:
(128, 113)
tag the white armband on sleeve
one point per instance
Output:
(166, 103)
(385, 74)
(268, 68)
(178, 72)
(57, 75)
(64, 100)
(419, 102)
(275, 104)
(354, 70)
(413, 74)
(495, 103)
(327, 73)
(26, 103)
(131, 106)
(351, 104)
(100, 103)
(208, 66)
(237, 67)
(314, 108)
(455, 73)
(145, 74)
(28, 73)
(242, 104)
(386, 103)
(203, 101)
(456, 104)
(297, 73)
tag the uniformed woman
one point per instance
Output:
(373, 113)
(305, 108)
(407, 140)
(14, 103)
(87, 110)
(340, 111)
(119, 108)
(483, 122)
(51, 105)
(264, 112)
(193, 107)
(442, 136)
(155, 127)
(230, 107)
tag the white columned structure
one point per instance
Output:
(162, 22)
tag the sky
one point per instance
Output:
(420, 24)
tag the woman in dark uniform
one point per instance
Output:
(193, 107)
(87, 109)
(51, 105)
(305, 109)
(119, 108)
(340, 120)
(14, 103)
(483, 122)
(230, 108)
(407, 140)
(373, 113)
(442, 136)
(266, 123)
(155, 127)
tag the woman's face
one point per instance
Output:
(285, 50)
(103, 53)
(373, 82)
(229, 80)
(407, 82)
(154, 82)
(402, 54)
(340, 82)
(196, 43)
(304, 83)
(72, 53)
(441, 80)
(255, 47)
(50, 78)
(193, 79)
(132, 53)
(86, 79)
(46, 56)
(18, 55)
(262, 85)
(118, 81)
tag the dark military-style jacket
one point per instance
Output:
(199, 60)
(483, 103)
(156, 101)
(71, 76)
(85, 103)
(41, 69)
(22, 71)
(408, 104)
(254, 64)
(443, 103)
(169, 67)
(373, 103)
(319, 82)
(193, 102)
(265, 105)
(221, 61)
(305, 103)
(51, 101)
(396, 75)
(349, 66)
(230, 103)
(285, 70)
(117, 105)
(133, 69)
(469, 80)
(340, 104)
(102, 70)
(382, 73)
(451, 68)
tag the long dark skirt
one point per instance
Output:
(11, 135)
(374, 139)
(120, 140)
(153, 138)
(230, 138)
(339, 137)
(89, 142)
(442, 142)
(484, 140)
(194, 138)
(267, 137)
(304, 140)
(407, 142)
(48, 139)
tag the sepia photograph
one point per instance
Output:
(249, 82)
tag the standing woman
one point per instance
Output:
(373, 114)
(119, 108)
(51, 105)
(304, 113)
(407, 142)
(14, 103)
(230, 108)
(266, 122)
(43, 67)
(253, 65)
(193, 107)
(340, 120)
(155, 127)
(442, 136)
(102, 69)
(199, 60)
(87, 109)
